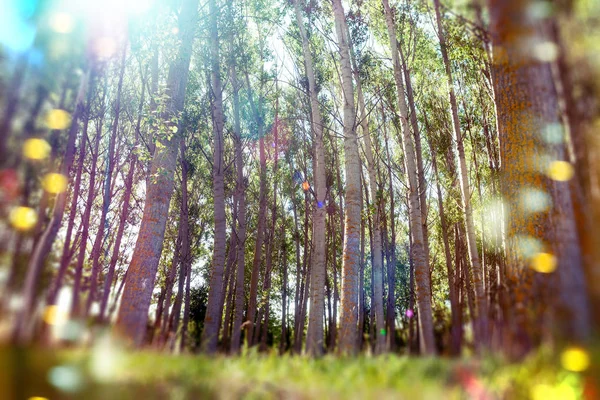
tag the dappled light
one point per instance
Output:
(300, 199)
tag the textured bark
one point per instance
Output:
(377, 248)
(107, 196)
(214, 306)
(580, 116)
(481, 312)
(44, 245)
(186, 310)
(164, 301)
(185, 251)
(421, 269)
(456, 327)
(137, 294)
(283, 345)
(262, 221)
(314, 335)
(241, 219)
(351, 257)
(391, 268)
(299, 279)
(419, 155)
(527, 102)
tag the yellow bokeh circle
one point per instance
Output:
(23, 218)
(544, 263)
(54, 183)
(58, 119)
(575, 359)
(36, 149)
(560, 171)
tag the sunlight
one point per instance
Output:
(62, 22)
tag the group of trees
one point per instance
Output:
(309, 176)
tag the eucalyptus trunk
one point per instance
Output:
(481, 307)
(351, 258)
(314, 336)
(421, 269)
(214, 306)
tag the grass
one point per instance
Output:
(104, 372)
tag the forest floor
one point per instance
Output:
(104, 372)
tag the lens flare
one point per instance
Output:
(62, 22)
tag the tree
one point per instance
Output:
(314, 336)
(351, 256)
(422, 279)
(214, 309)
(139, 283)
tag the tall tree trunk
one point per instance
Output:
(351, 258)
(139, 285)
(214, 308)
(241, 219)
(376, 250)
(185, 252)
(481, 311)
(314, 336)
(391, 269)
(419, 155)
(456, 327)
(526, 103)
(186, 311)
(166, 294)
(422, 280)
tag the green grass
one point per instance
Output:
(107, 373)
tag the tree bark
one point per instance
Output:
(481, 307)
(137, 294)
(214, 308)
(526, 103)
(314, 335)
(421, 269)
(351, 257)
